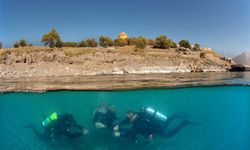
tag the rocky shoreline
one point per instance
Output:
(47, 62)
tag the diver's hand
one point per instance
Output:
(117, 134)
(116, 128)
(85, 131)
(99, 125)
(150, 137)
(116, 131)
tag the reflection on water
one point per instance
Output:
(130, 81)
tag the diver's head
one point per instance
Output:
(112, 108)
(131, 115)
(68, 116)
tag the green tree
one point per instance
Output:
(105, 41)
(23, 43)
(185, 44)
(163, 42)
(141, 42)
(1, 45)
(196, 47)
(121, 42)
(91, 42)
(16, 45)
(51, 38)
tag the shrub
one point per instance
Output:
(141, 42)
(58, 44)
(51, 38)
(163, 42)
(70, 44)
(121, 42)
(196, 47)
(16, 45)
(132, 41)
(185, 44)
(30, 44)
(23, 43)
(82, 44)
(91, 42)
(105, 41)
(1, 45)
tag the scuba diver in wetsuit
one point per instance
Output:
(57, 125)
(149, 123)
(105, 117)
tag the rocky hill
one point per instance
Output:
(43, 61)
(243, 58)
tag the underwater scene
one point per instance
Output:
(220, 116)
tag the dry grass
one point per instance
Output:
(77, 51)
(212, 53)
(1, 52)
(29, 49)
(148, 52)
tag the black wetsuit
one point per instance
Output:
(141, 125)
(65, 125)
(108, 118)
(146, 126)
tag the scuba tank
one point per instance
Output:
(49, 120)
(154, 115)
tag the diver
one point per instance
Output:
(149, 123)
(105, 117)
(57, 125)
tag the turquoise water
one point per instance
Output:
(223, 114)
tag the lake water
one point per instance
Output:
(221, 111)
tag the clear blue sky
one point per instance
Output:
(223, 25)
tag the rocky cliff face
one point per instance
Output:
(243, 58)
(40, 61)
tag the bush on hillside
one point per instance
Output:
(82, 44)
(16, 45)
(91, 43)
(132, 41)
(141, 42)
(185, 44)
(120, 42)
(163, 42)
(23, 43)
(105, 41)
(196, 47)
(51, 38)
(1, 45)
(58, 44)
(70, 44)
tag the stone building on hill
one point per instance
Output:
(122, 36)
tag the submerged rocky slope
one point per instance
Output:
(44, 62)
